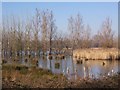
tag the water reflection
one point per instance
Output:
(69, 68)
(90, 68)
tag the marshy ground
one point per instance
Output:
(97, 54)
(19, 76)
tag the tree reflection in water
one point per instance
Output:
(89, 68)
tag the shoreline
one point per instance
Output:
(22, 77)
(96, 54)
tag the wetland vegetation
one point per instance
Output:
(36, 54)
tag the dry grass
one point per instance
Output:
(29, 77)
(39, 78)
(96, 54)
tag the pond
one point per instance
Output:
(72, 70)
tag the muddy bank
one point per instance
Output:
(17, 76)
(97, 54)
(23, 77)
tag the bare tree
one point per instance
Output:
(44, 32)
(86, 37)
(19, 38)
(106, 34)
(96, 41)
(36, 29)
(71, 30)
(11, 28)
(4, 42)
(58, 41)
(75, 26)
(79, 27)
(52, 30)
(28, 29)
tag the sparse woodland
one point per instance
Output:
(40, 33)
(37, 37)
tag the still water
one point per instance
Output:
(72, 70)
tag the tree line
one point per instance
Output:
(40, 33)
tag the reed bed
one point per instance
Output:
(97, 54)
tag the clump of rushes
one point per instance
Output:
(37, 63)
(81, 61)
(4, 61)
(110, 57)
(57, 65)
(43, 57)
(103, 63)
(86, 59)
(78, 62)
(63, 57)
(26, 60)
(22, 69)
(76, 56)
(56, 57)
(14, 60)
(118, 57)
(50, 57)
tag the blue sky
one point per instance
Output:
(93, 13)
(1, 13)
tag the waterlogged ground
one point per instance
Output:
(73, 70)
(19, 76)
(60, 73)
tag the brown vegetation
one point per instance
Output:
(96, 54)
(16, 76)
